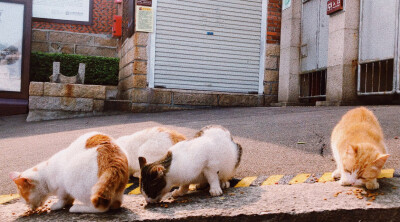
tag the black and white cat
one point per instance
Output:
(211, 157)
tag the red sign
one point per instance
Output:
(144, 3)
(334, 6)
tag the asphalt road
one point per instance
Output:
(287, 140)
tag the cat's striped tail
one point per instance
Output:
(113, 177)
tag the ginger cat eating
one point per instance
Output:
(358, 148)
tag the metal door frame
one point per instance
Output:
(396, 75)
(318, 65)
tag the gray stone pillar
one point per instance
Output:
(343, 55)
(289, 67)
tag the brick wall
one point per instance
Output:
(271, 76)
(103, 11)
(94, 40)
(274, 21)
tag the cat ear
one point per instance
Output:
(381, 160)
(142, 162)
(352, 150)
(14, 175)
(23, 182)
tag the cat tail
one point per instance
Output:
(111, 183)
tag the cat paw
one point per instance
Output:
(177, 193)
(57, 206)
(344, 183)
(216, 191)
(225, 184)
(85, 209)
(336, 174)
(372, 185)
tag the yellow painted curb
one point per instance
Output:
(300, 178)
(128, 185)
(386, 173)
(245, 182)
(272, 180)
(135, 191)
(326, 177)
(7, 198)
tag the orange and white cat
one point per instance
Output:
(93, 170)
(359, 149)
(152, 143)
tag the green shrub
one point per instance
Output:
(99, 70)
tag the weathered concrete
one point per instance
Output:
(343, 55)
(289, 65)
(300, 202)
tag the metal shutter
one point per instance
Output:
(208, 45)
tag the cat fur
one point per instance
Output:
(93, 170)
(211, 157)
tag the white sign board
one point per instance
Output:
(144, 19)
(69, 10)
(286, 4)
(11, 23)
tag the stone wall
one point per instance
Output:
(271, 77)
(59, 101)
(159, 100)
(74, 43)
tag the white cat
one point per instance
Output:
(93, 170)
(211, 157)
(152, 143)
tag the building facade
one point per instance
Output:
(347, 57)
(201, 54)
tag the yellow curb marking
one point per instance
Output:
(272, 180)
(245, 182)
(300, 178)
(135, 191)
(386, 173)
(128, 185)
(326, 177)
(7, 198)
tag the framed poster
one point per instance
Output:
(63, 11)
(15, 21)
(144, 19)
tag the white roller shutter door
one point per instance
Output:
(212, 45)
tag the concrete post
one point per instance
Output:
(343, 55)
(56, 71)
(289, 67)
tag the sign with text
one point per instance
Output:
(144, 19)
(334, 6)
(64, 10)
(286, 4)
(144, 3)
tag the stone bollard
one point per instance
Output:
(57, 77)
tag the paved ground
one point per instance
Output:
(288, 140)
(299, 202)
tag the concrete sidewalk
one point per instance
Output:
(275, 141)
(299, 202)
